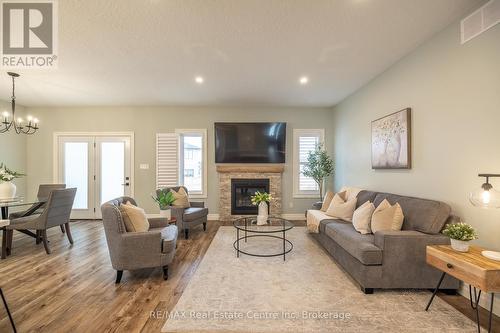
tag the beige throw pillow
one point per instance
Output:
(341, 208)
(327, 200)
(181, 198)
(387, 217)
(362, 217)
(134, 218)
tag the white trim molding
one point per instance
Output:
(297, 133)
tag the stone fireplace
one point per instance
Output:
(238, 182)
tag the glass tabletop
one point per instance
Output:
(274, 224)
(19, 201)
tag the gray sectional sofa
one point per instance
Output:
(390, 259)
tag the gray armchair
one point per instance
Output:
(136, 250)
(57, 212)
(188, 218)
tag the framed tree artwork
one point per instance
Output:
(391, 141)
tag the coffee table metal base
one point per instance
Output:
(236, 245)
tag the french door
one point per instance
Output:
(99, 166)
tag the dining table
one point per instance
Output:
(6, 204)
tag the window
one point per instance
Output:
(182, 160)
(304, 141)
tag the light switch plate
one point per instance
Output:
(144, 166)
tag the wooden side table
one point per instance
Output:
(470, 267)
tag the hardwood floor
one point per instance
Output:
(73, 289)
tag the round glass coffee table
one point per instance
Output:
(276, 228)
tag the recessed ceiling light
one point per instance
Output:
(199, 79)
(304, 80)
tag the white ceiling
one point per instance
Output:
(250, 52)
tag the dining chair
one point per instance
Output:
(57, 212)
(43, 193)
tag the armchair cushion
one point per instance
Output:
(181, 198)
(27, 222)
(194, 213)
(168, 238)
(134, 218)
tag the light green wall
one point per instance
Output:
(13, 150)
(454, 91)
(145, 122)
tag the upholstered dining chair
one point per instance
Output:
(137, 250)
(43, 193)
(57, 212)
(188, 218)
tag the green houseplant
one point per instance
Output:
(7, 187)
(261, 199)
(460, 234)
(319, 167)
(164, 198)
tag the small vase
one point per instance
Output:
(167, 213)
(263, 213)
(460, 246)
(7, 190)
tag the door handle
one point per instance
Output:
(126, 184)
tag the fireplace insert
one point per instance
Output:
(241, 193)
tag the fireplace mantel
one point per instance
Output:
(250, 168)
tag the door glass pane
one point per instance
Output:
(193, 162)
(112, 170)
(76, 171)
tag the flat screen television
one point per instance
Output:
(250, 142)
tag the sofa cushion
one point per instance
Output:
(423, 215)
(168, 238)
(360, 246)
(194, 213)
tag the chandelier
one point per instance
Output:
(10, 122)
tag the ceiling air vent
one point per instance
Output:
(481, 20)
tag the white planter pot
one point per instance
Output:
(7, 190)
(460, 246)
(167, 213)
(263, 214)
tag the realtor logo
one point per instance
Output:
(29, 34)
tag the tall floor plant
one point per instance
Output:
(319, 167)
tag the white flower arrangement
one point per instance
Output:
(7, 175)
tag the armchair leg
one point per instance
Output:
(165, 272)
(68, 232)
(62, 228)
(118, 276)
(45, 241)
(205, 226)
(186, 233)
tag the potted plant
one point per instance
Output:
(261, 199)
(461, 234)
(164, 199)
(7, 187)
(319, 167)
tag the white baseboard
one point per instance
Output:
(294, 217)
(484, 301)
(213, 217)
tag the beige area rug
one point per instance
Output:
(308, 292)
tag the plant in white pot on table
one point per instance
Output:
(261, 199)
(7, 187)
(461, 234)
(164, 199)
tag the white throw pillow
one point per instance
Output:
(387, 217)
(361, 218)
(340, 208)
(327, 201)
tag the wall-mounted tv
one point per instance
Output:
(250, 142)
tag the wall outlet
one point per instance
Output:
(144, 166)
(290, 204)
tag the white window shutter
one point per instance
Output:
(306, 145)
(167, 159)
